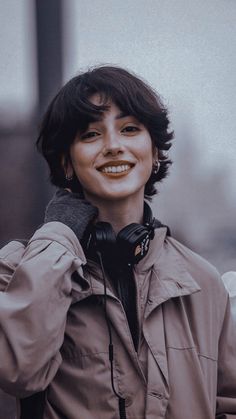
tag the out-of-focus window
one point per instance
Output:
(18, 82)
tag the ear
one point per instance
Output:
(67, 166)
(154, 154)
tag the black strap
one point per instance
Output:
(158, 224)
(32, 407)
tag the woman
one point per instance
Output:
(103, 312)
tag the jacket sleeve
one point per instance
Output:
(36, 291)
(226, 395)
(229, 280)
(10, 257)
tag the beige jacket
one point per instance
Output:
(54, 334)
(229, 280)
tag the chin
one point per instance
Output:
(116, 194)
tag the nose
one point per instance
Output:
(113, 144)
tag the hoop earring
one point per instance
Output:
(156, 167)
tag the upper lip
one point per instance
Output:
(115, 163)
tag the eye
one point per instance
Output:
(130, 129)
(89, 135)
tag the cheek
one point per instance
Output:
(149, 159)
(82, 158)
(146, 154)
(77, 162)
(149, 167)
(79, 157)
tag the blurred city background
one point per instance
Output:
(185, 49)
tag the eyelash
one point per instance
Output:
(91, 134)
(131, 128)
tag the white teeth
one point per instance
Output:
(116, 169)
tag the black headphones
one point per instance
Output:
(129, 246)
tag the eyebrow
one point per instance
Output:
(122, 115)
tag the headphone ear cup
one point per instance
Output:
(102, 238)
(133, 242)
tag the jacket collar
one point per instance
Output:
(169, 278)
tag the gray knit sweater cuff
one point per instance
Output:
(70, 209)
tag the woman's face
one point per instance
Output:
(113, 159)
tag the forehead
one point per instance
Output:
(98, 99)
(112, 109)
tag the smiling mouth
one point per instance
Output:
(117, 168)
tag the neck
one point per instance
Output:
(120, 213)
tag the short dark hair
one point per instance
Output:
(71, 111)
